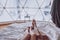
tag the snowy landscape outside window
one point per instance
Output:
(11, 10)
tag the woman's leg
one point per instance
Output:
(27, 34)
(39, 37)
(45, 37)
(33, 37)
(27, 37)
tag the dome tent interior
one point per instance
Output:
(18, 14)
(11, 10)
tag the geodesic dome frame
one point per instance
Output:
(22, 9)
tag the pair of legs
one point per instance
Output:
(32, 33)
(30, 37)
(35, 37)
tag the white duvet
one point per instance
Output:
(16, 31)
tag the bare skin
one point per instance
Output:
(28, 36)
(34, 23)
(34, 36)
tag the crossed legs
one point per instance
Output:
(28, 36)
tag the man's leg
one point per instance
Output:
(27, 37)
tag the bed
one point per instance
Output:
(16, 31)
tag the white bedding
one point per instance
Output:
(16, 31)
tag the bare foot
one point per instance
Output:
(33, 35)
(34, 23)
(27, 35)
